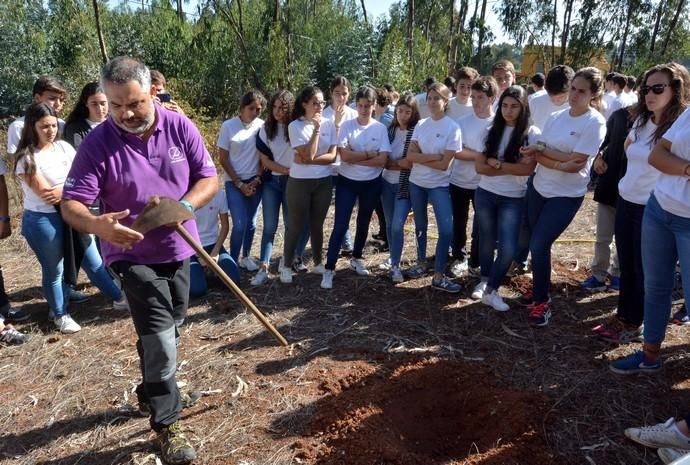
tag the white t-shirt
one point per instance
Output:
(300, 134)
(397, 148)
(53, 165)
(474, 130)
(422, 106)
(457, 110)
(207, 218)
(630, 98)
(283, 154)
(14, 133)
(673, 192)
(615, 103)
(239, 141)
(536, 94)
(583, 134)
(348, 114)
(372, 137)
(541, 107)
(640, 177)
(508, 185)
(434, 136)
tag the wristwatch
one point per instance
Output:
(540, 146)
(498, 165)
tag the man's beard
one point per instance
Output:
(146, 123)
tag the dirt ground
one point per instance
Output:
(377, 374)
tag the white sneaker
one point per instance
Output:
(357, 264)
(494, 300)
(670, 455)
(248, 264)
(298, 265)
(327, 280)
(658, 436)
(478, 291)
(66, 324)
(121, 304)
(286, 275)
(319, 269)
(259, 278)
(396, 274)
(387, 265)
(459, 268)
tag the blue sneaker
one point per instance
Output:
(593, 284)
(446, 285)
(681, 317)
(635, 363)
(615, 283)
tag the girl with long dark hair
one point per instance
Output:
(90, 111)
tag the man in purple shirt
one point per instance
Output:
(140, 151)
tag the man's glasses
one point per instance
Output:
(658, 89)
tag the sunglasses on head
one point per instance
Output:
(656, 88)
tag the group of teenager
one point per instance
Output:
(522, 161)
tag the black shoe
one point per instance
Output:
(14, 315)
(175, 447)
(380, 236)
(188, 399)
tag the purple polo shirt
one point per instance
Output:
(125, 172)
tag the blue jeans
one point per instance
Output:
(272, 198)
(243, 212)
(548, 218)
(44, 233)
(95, 269)
(665, 240)
(395, 211)
(197, 281)
(499, 218)
(347, 193)
(443, 211)
(347, 240)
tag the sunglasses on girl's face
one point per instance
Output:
(658, 89)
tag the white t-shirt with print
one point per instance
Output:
(300, 132)
(474, 130)
(238, 139)
(53, 164)
(640, 177)
(434, 136)
(673, 192)
(397, 148)
(508, 185)
(14, 133)
(541, 107)
(582, 134)
(370, 138)
(207, 218)
(457, 110)
(283, 154)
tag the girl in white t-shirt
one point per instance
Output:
(364, 148)
(665, 235)
(435, 142)
(661, 104)
(273, 144)
(42, 163)
(499, 200)
(242, 174)
(309, 187)
(464, 178)
(565, 152)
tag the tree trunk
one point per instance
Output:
(288, 42)
(566, 29)
(410, 30)
(462, 16)
(451, 33)
(371, 50)
(482, 30)
(657, 22)
(99, 31)
(553, 33)
(625, 34)
(672, 26)
(180, 11)
(238, 29)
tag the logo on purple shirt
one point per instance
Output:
(176, 155)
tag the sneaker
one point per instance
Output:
(380, 236)
(387, 265)
(66, 324)
(187, 399)
(248, 264)
(15, 315)
(298, 265)
(635, 363)
(346, 249)
(539, 314)
(494, 300)
(615, 283)
(285, 275)
(259, 278)
(593, 284)
(121, 304)
(459, 268)
(77, 297)
(446, 285)
(681, 317)
(478, 291)
(396, 275)
(416, 271)
(357, 264)
(614, 330)
(517, 269)
(318, 269)
(474, 272)
(670, 455)
(527, 299)
(9, 335)
(175, 447)
(661, 435)
(327, 279)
